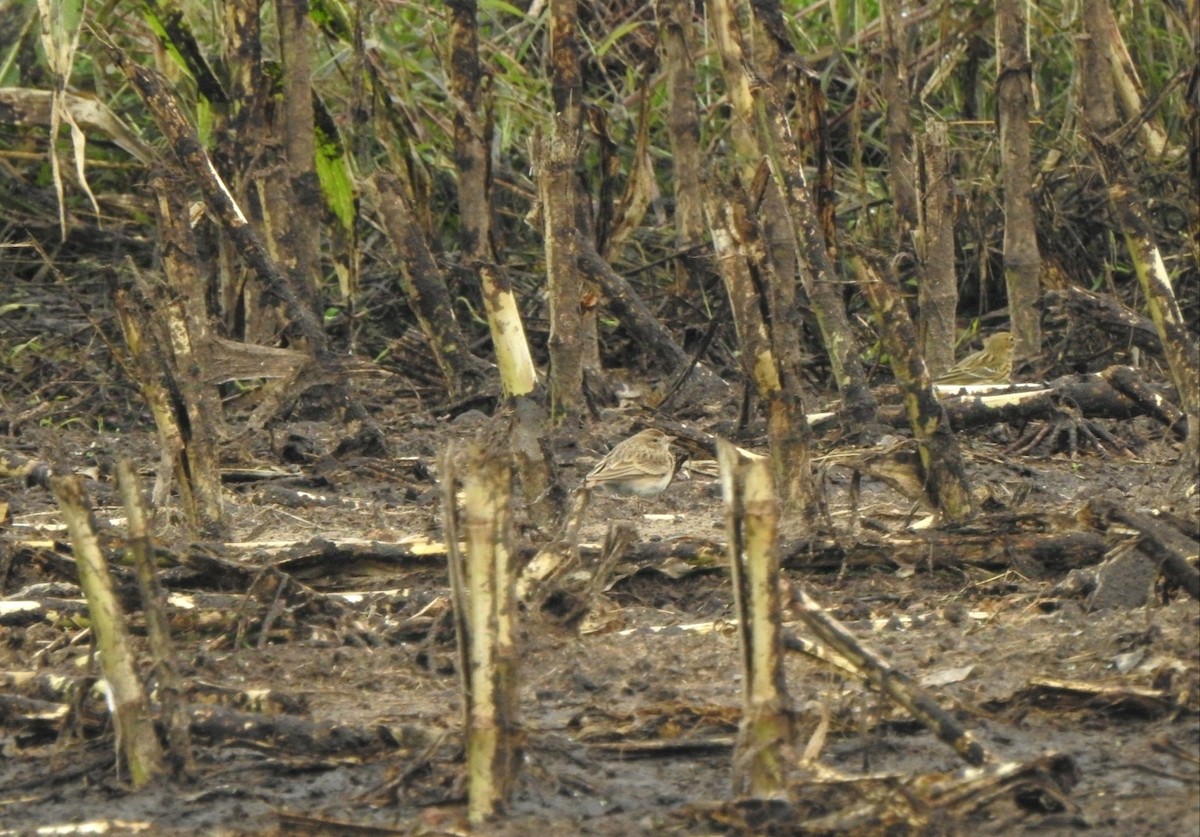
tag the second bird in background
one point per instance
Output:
(990, 365)
(642, 465)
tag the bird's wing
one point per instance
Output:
(968, 376)
(619, 471)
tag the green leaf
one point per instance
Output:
(158, 29)
(501, 6)
(616, 35)
(333, 167)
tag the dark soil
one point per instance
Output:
(629, 722)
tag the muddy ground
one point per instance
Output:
(630, 722)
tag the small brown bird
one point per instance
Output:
(642, 465)
(990, 365)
